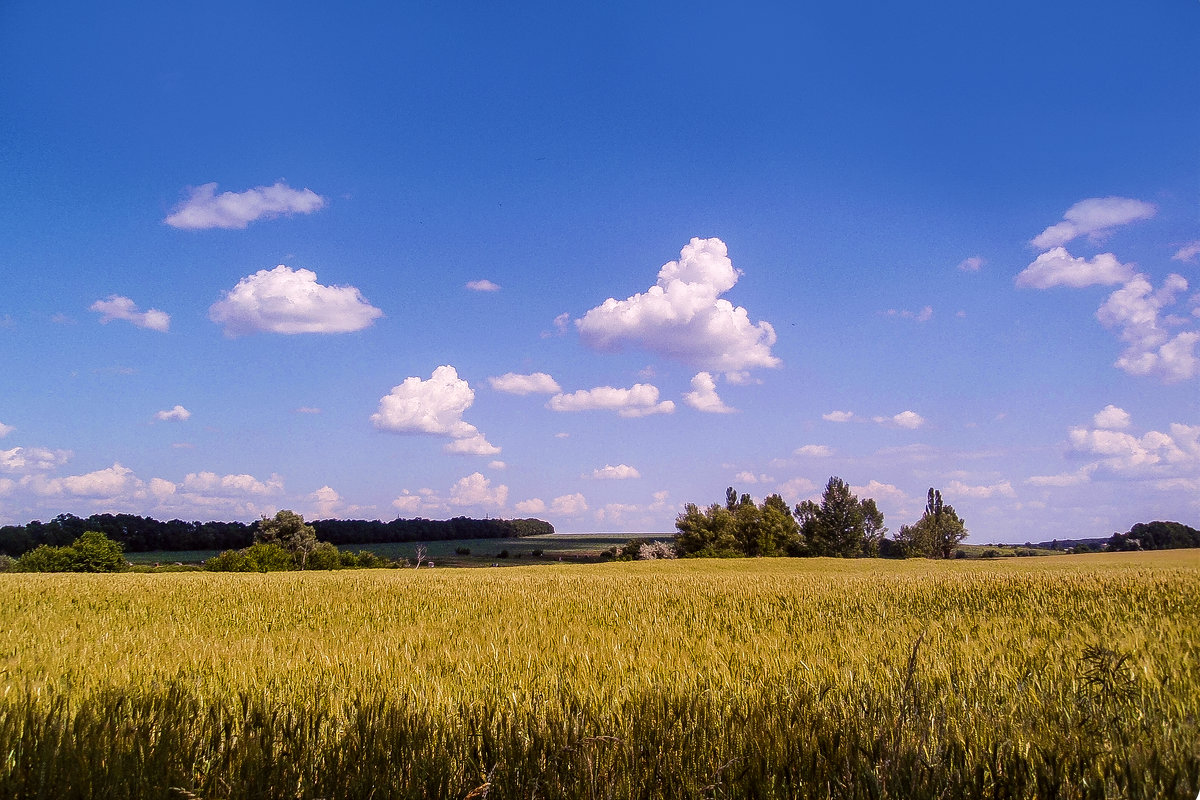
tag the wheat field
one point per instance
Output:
(1071, 677)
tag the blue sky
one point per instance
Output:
(590, 263)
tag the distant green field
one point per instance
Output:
(566, 547)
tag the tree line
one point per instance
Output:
(1155, 536)
(138, 534)
(282, 542)
(840, 525)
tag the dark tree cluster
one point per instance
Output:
(144, 534)
(136, 534)
(361, 531)
(1155, 536)
(840, 525)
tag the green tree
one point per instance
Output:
(873, 528)
(841, 525)
(287, 529)
(91, 552)
(936, 534)
(324, 556)
(95, 552)
(708, 533)
(779, 533)
(229, 561)
(44, 558)
(269, 557)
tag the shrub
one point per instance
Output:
(95, 552)
(990, 553)
(228, 561)
(44, 558)
(502, 554)
(365, 559)
(537, 553)
(463, 551)
(264, 557)
(649, 551)
(258, 557)
(91, 552)
(324, 556)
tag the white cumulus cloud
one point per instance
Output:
(5, 430)
(122, 308)
(422, 501)
(972, 264)
(23, 460)
(114, 481)
(176, 414)
(703, 396)
(476, 490)
(1094, 217)
(534, 383)
(435, 407)
(639, 400)
(242, 485)
(533, 505)
(325, 502)
(483, 286)
(620, 472)
(1152, 349)
(874, 489)
(1173, 454)
(110, 483)
(838, 416)
(683, 316)
(204, 208)
(814, 450)
(1112, 418)
(1057, 267)
(569, 505)
(797, 488)
(905, 419)
(284, 300)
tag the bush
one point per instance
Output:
(91, 552)
(258, 557)
(537, 553)
(44, 558)
(990, 553)
(654, 550)
(324, 556)
(264, 557)
(228, 561)
(502, 554)
(463, 551)
(95, 552)
(365, 559)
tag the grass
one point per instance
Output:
(1072, 677)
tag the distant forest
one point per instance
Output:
(143, 534)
